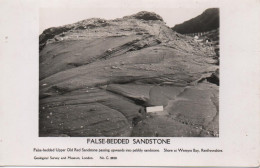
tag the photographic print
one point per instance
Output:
(132, 75)
(95, 83)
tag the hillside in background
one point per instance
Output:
(207, 21)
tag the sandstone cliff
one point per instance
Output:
(97, 76)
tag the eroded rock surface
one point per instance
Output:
(97, 76)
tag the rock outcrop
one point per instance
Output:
(97, 76)
(146, 16)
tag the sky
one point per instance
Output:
(53, 17)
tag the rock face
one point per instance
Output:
(97, 76)
(207, 21)
(146, 16)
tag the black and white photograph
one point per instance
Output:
(129, 74)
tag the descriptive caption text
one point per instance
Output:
(85, 153)
(113, 152)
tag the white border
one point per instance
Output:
(239, 87)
